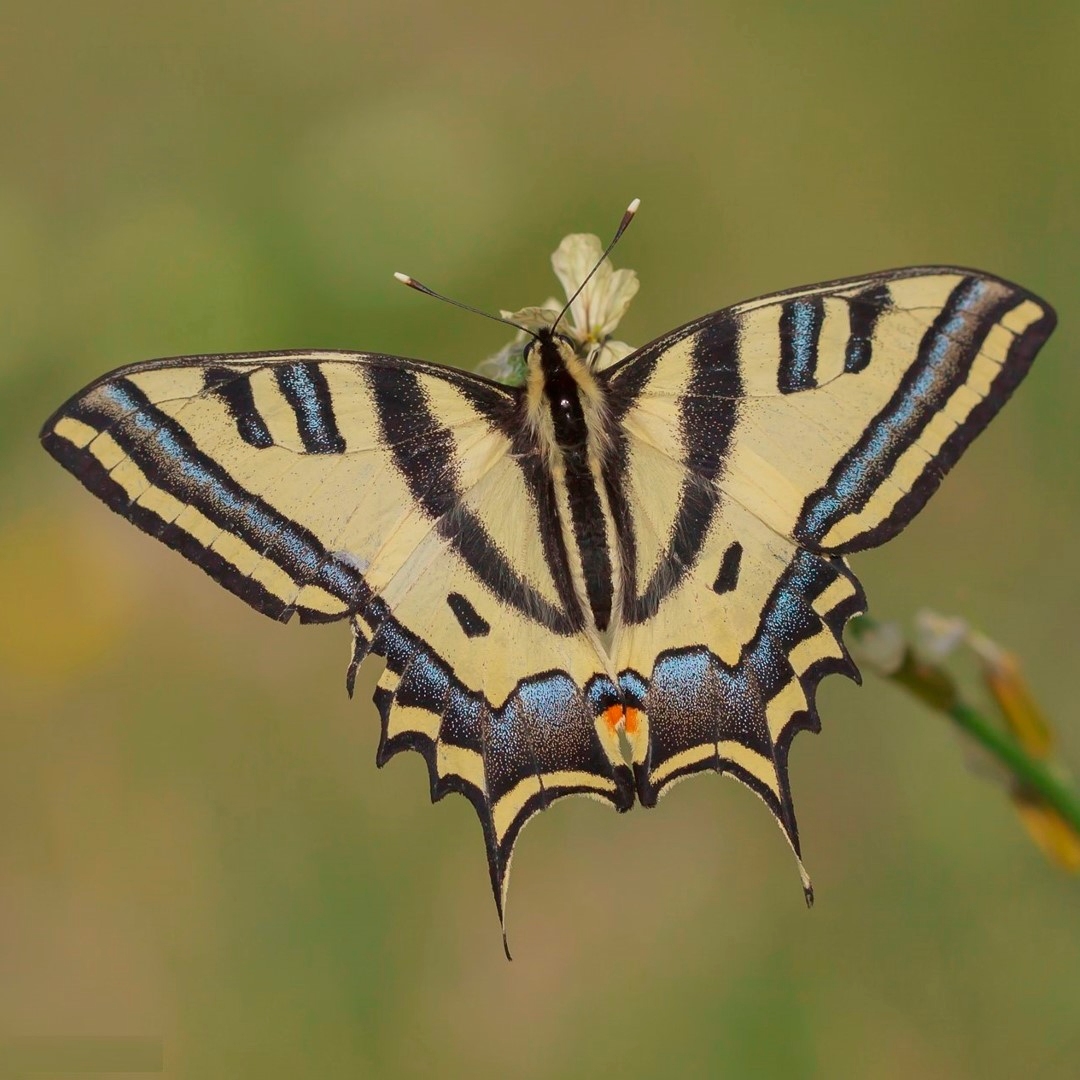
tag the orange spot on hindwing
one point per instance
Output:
(624, 731)
(613, 717)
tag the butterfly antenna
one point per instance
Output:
(631, 210)
(420, 287)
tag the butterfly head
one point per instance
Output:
(553, 357)
(564, 403)
(544, 340)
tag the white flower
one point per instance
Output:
(592, 317)
(604, 300)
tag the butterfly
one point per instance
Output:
(598, 582)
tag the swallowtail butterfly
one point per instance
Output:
(598, 582)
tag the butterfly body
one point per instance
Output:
(568, 417)
(599, 582)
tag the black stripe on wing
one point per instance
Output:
(424, 453)
(801, 320)
(707, 415)
(472, 623)
(727, 576)
(942, 365)
(234, 388)
(864, 310)
(715, 357)
(306, 390)
(169, 459)
(541, 488)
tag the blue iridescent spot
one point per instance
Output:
(683, 669)
(634, 687)
(548, 699)
(600, 694)
(804, 318)
(427, 678)
(306, 390)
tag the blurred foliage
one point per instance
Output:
(1013, 745)
(196, 842)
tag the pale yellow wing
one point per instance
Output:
(390, 493)
(757, 447)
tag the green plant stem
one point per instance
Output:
(935, 687)
(1032, 774)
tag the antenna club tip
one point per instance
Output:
(403, 278)
(633, 207)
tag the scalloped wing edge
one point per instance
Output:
(821, 637)
(423, 707)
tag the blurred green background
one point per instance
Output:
(194, 840)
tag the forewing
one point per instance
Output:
(840, 407)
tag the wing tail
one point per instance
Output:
(740, 719)
(476, 749)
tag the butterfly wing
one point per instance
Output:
(390, 493)
(757, 447)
